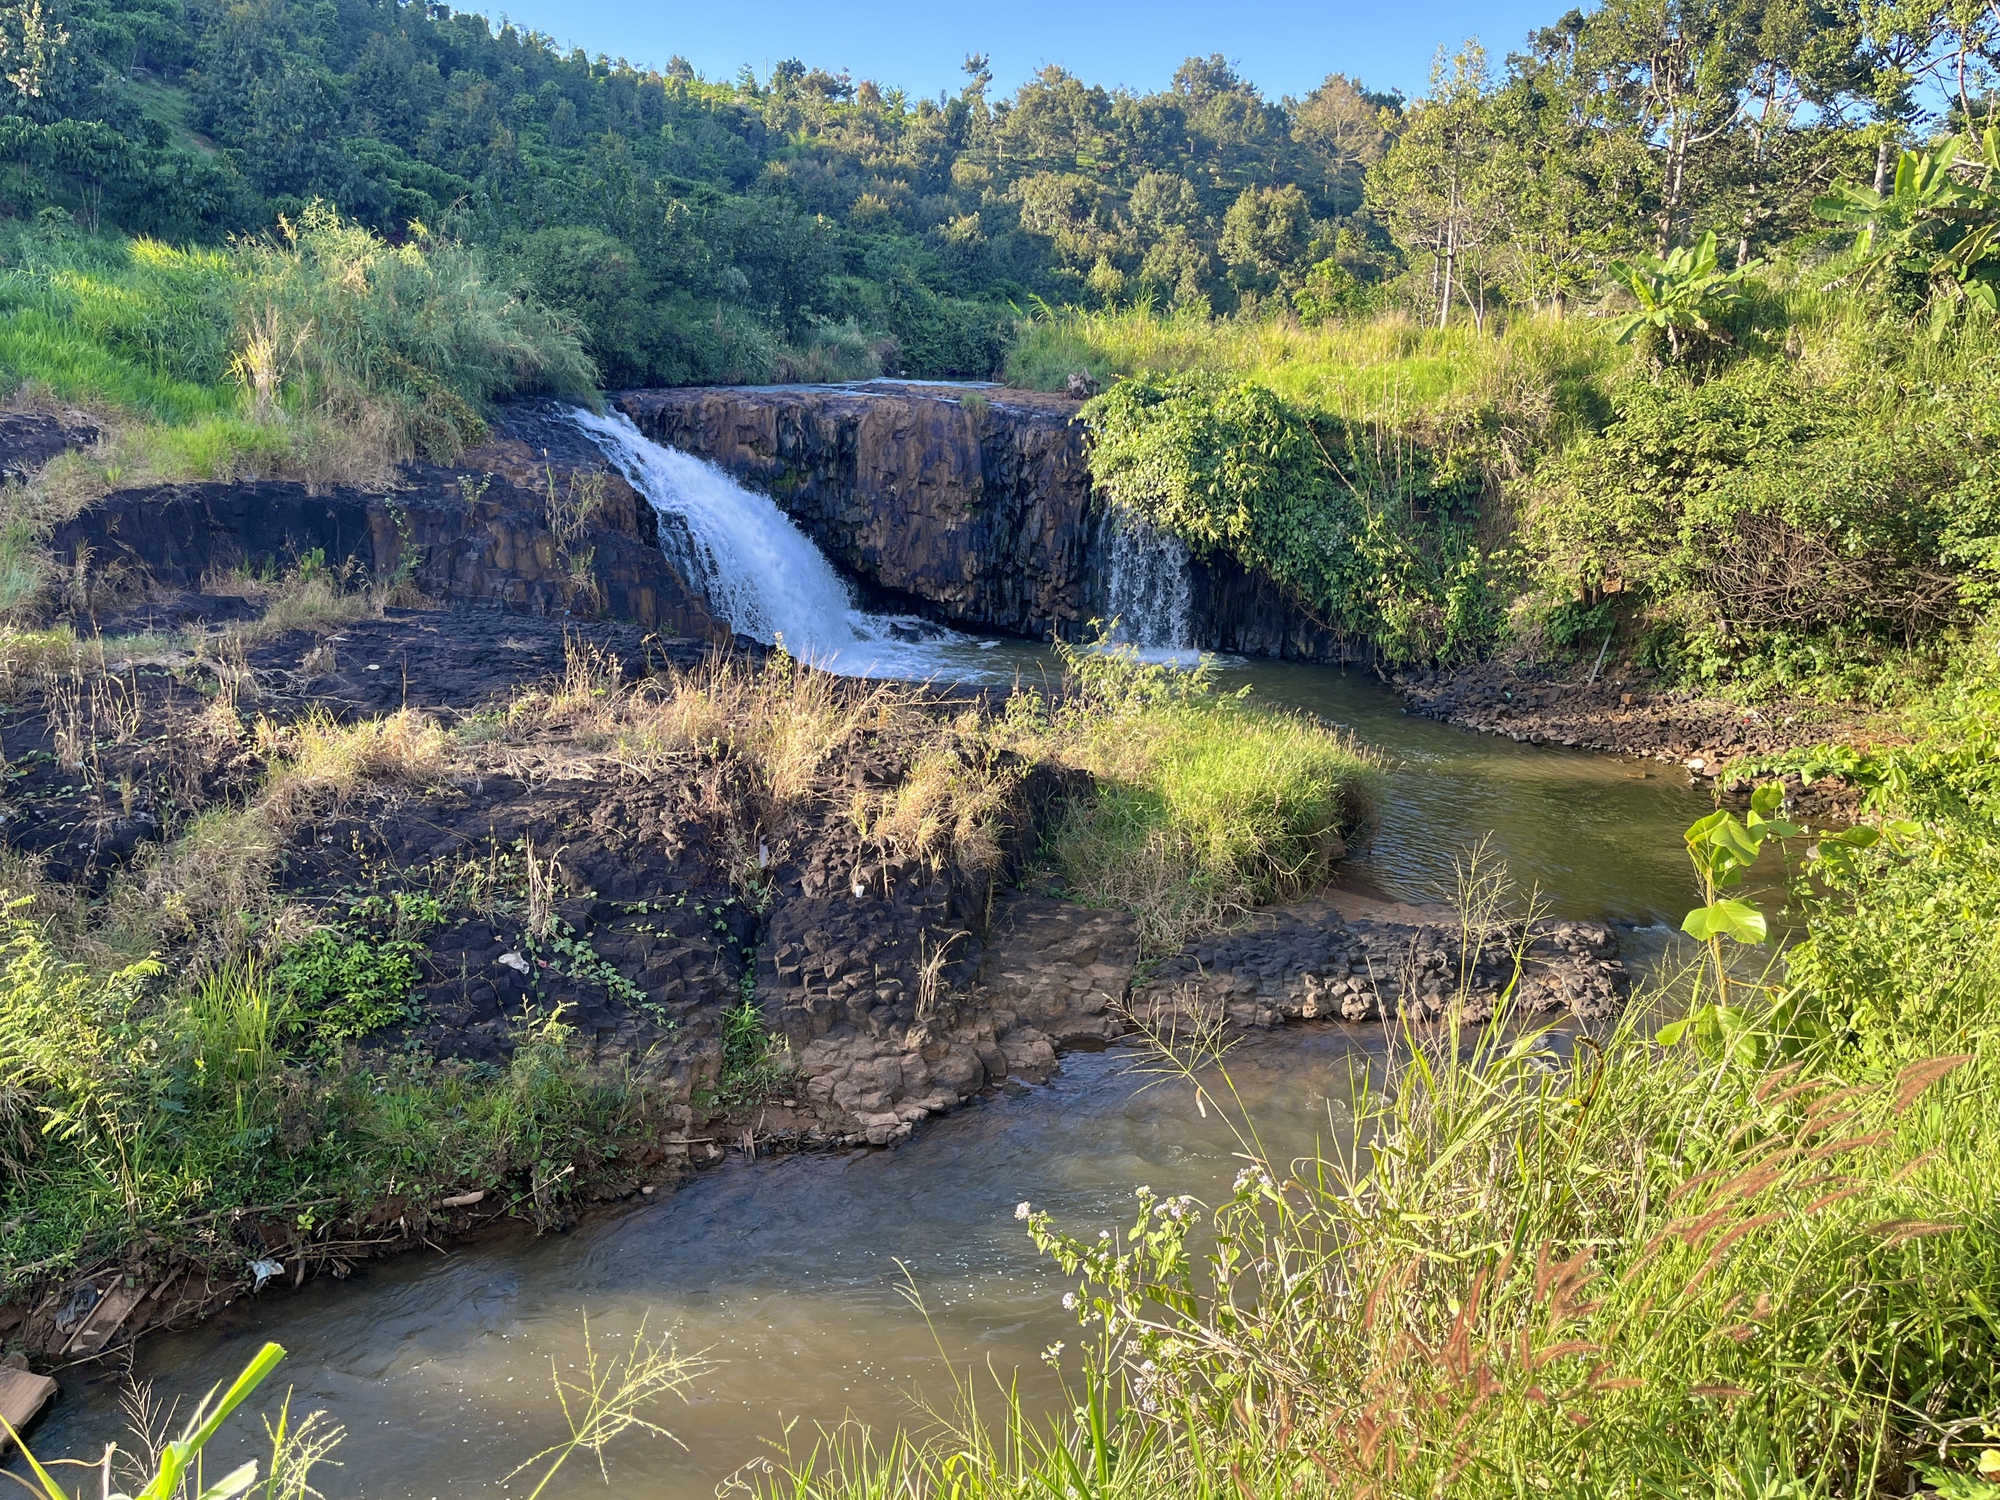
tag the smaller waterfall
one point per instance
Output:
(759, 572)
(1148, 588)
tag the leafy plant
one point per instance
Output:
(355, 976)
(1373, 535)
(1933, 230)
(751, 1065)
(1684, 294)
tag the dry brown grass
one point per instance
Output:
(208, 887)
(318, 765)
(950, 808)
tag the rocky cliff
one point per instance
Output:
(972, 506)
(479, 534)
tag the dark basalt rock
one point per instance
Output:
(476, 534)
(29, 439)
(972, 507)
(1312, 964)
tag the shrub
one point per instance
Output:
(1367, 533)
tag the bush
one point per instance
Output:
(1369, 535)
(355, 976)
(1765, 504)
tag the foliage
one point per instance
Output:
(355, 976)
(317, 346)
(753, 1061)
(177, 1465)
(331, 318)
(1362, 530)
(1752, 1258)
(1786, 521)
(601, 1404)
(135, 1103)
(1930, 238)
(1680, 295)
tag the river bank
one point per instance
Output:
(1626, 711)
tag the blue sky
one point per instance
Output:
(1285, 46)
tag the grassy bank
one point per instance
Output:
(204, 1032)
(1807, 507)
(1203, 805)
(1749, 1254)
(318, 350)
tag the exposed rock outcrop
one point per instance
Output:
(478, 534)
(1047, 975)
(1307, 965)
(977, 511)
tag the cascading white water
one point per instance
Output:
(1149, 591)
(761, 573)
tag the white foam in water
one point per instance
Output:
(1149, 591)
(761, 573)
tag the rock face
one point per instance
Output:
(1307, 965)
(478, 534)
(1044, 975)
(881, 1049)
(972, 507)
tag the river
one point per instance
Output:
(791, 1274)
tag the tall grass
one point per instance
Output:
(1540, 376)
(1203, 805)
(319, 349)
(1593, 1270)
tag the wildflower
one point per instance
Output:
(1069, 1301)
(1021, 1209)
(1989, 1464)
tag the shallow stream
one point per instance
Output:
(790, 1274)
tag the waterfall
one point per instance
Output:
(759, 572)
(1148, 587)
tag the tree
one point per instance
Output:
(1674, 72)
(1933, 234)
(1264, 238)
(1343, 129)
(1436, 190)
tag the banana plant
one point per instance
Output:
(1682, 294)
(1936, 223)
(178, 1475)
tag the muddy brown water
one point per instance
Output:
(791, 1274)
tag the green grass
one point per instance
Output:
(1203, 804)
(1389, 368)
(270, 351)
(140, 1108)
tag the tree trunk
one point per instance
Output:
(1882, 150)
